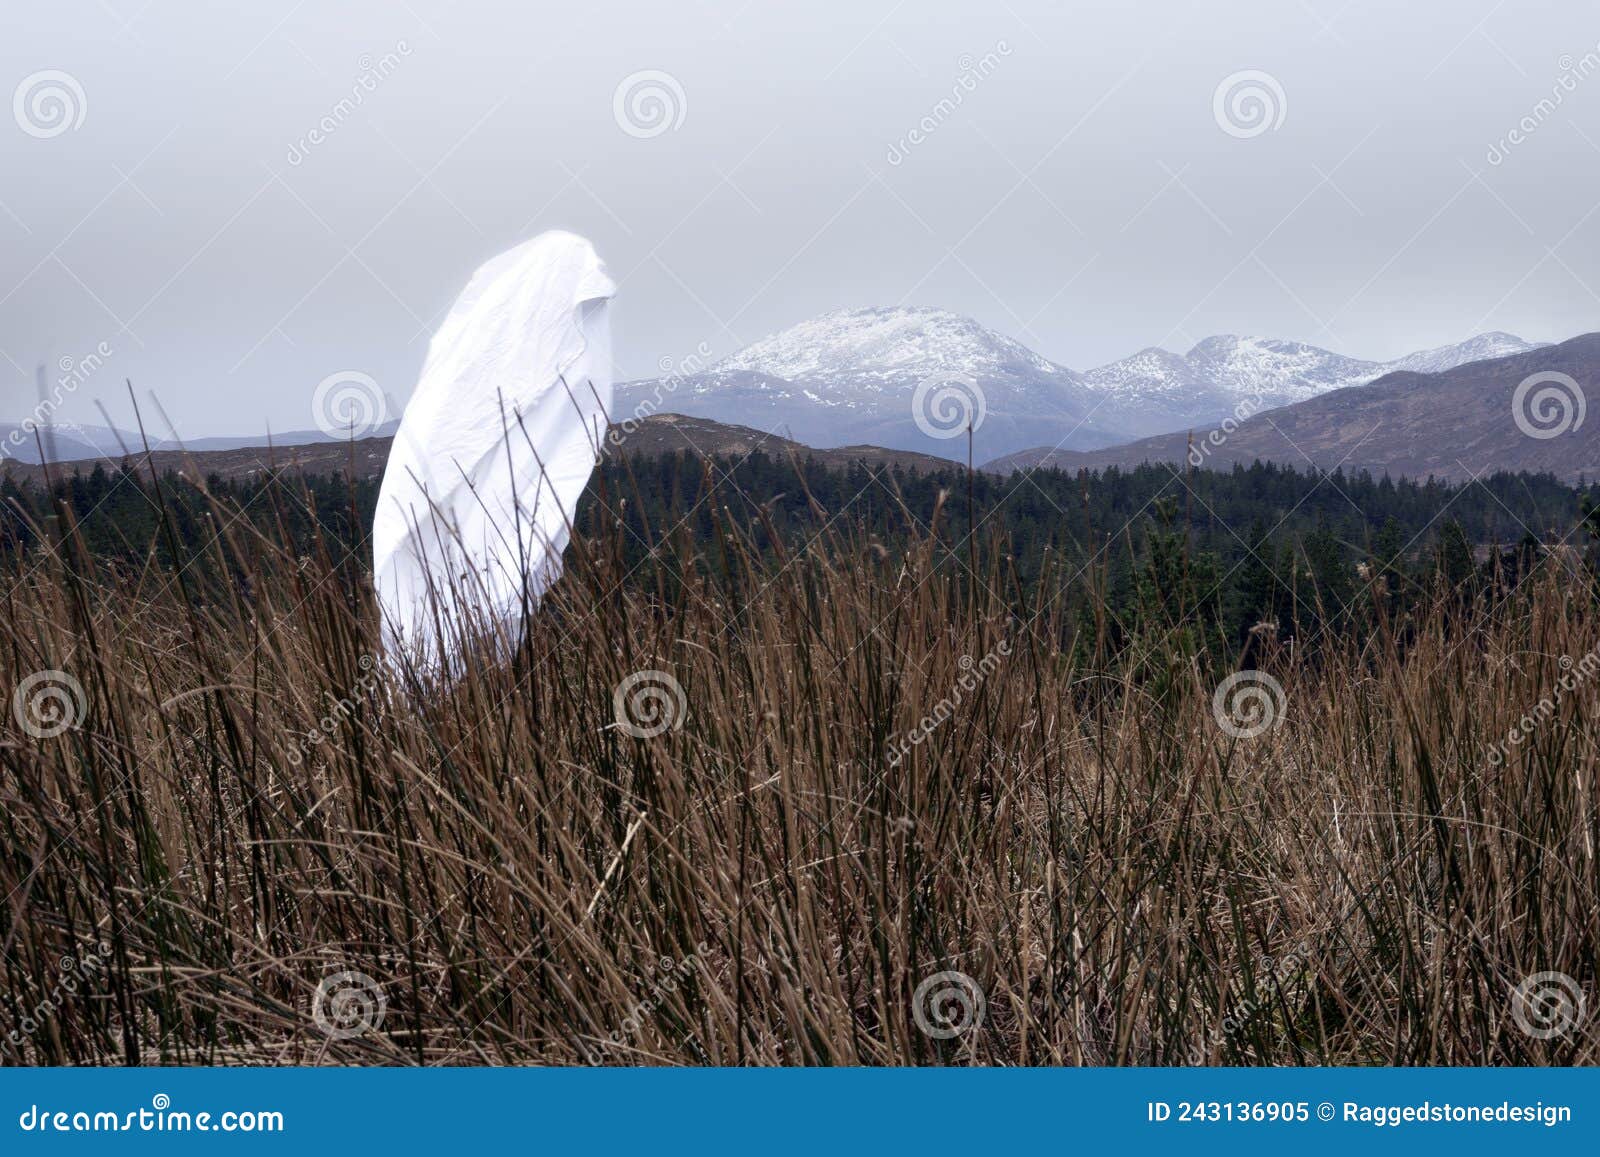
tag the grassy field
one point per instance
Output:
(838, 804)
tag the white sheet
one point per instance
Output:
(497, 443)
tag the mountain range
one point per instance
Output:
(853, 376)
(863, 380)
(1526, 411)
(1155, 391)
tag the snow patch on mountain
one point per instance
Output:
(1285, 371)
(885, 344)
(1496, 344)
(1258, 365)
(1155, 391)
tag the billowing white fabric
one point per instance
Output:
(498, 441)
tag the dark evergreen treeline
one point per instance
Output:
(118, 515)
(1216, 560)
(1231, 556)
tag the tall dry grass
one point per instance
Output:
(770, 878)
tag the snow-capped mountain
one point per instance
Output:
(891, 377)
(881, 345)
(853, 376)
(1482, 348)
(1456, 423)
(1156, 391)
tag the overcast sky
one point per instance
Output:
(1083, 189)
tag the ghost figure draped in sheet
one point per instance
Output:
(496, 445)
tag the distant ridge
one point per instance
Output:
(75, 442)
(649, 437)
